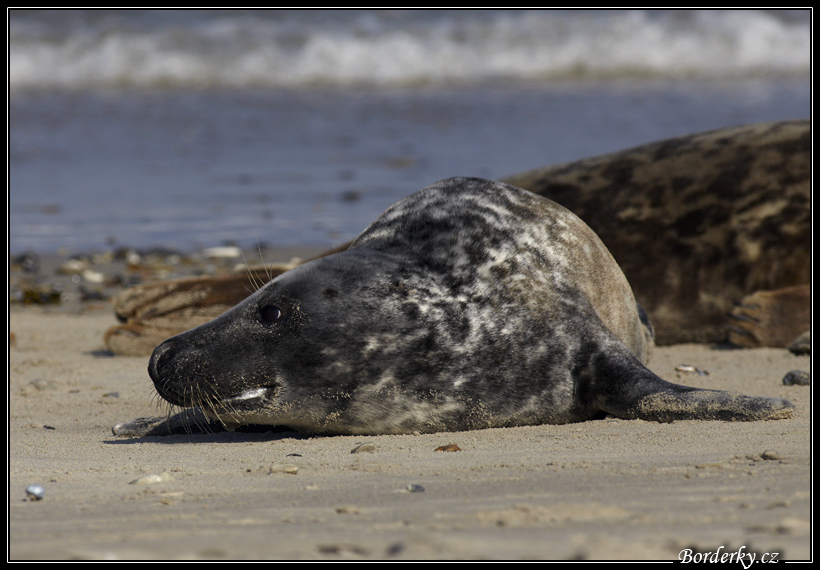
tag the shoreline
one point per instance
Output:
(72, 281)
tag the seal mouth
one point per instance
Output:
(251, 394)
(247, 400)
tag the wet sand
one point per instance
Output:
(608, 489)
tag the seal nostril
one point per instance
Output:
(159, 357)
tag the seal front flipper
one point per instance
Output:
(188, 421)
(632, 391)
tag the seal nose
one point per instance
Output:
(158, 358)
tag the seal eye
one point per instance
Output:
(270, 313)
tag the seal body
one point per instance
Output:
(469, 304)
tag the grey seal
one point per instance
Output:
(469, 304)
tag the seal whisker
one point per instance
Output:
(251, 276)
(264, 265)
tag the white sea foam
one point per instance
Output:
(194, 49)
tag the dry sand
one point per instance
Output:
(609, 489)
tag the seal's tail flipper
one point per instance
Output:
(684, 403)
(637, 393)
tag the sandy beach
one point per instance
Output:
(609, 489)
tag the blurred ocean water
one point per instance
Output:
(192, 128)
(95, 49)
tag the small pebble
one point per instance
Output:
(448, 447)
(797, 378)
(770, 455)
(343, 550)
(72, 266)
(802, 345)
(151, 479)
(43, 384)
(791, 525)
(284, 468)
(220, 252)
(413, 488)
(29, 262)
(93, 276)
(395, 549)
(35, 492)
(41, 295)
(689, 369)
(364, 448)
